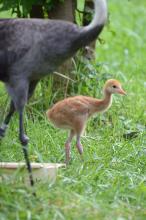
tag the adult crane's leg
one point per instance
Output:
(4, 126)
(23, 138)
(32, 87)
(19, 94)
(24, 141)
(7, 120)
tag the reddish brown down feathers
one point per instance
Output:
(72, 113)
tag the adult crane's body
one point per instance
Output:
(32, 48)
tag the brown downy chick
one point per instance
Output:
(72, 113)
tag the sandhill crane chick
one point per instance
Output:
(72, 113)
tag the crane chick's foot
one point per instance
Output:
(82, 158)
(80, 148)
(24, 140)
(3, 130)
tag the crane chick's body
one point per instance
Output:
(72, 113)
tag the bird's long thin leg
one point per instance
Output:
(24, 141)
(79, 145)
(7, 120)
(32, 87)
(23, 138)
(68, 146)
(19, 94)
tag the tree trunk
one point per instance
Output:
(63, 11)
(37, 11)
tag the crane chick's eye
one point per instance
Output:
(114, 86)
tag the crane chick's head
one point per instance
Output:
(113, 86)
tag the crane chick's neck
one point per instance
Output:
(107, 99)
(106, 102)
(107, 95)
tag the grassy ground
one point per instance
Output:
(111, 182)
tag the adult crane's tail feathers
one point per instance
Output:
(92, 31)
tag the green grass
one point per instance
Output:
(111, 182)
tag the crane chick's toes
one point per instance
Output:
(66, 162)
(24, 140)
(82, 158)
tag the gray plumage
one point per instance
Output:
(35, 48)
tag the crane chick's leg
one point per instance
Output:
(79, 145)
(19, 94)
(80, 127)
(68, 145)
(7, 120)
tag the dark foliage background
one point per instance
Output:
(23, 8)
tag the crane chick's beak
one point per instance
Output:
(121, 91)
